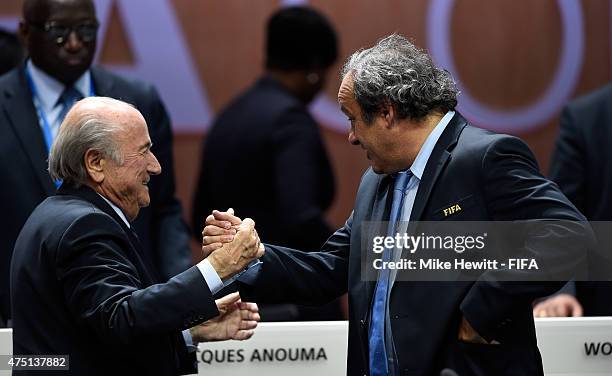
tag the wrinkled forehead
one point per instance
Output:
(346, 91)
(131, 133)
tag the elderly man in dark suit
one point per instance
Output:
(425, 158)
(60, 36)
(81, 283)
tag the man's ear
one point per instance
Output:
(387, 113)
(94, 164)
(23, 33)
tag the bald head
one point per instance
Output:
(94, 123)
(35, 10)
(39, 10)
(116, 114)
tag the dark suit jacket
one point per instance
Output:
(82, 286)
(582, 166)
(264, 157)
(494, 178)
(23, 167)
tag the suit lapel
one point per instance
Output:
(103, 83)
(382, 203)
(379, 212)
(436, 163)
(23, 120)
(144, 265)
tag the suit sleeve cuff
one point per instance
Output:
(210, 275)
(251, 273)
(191, 347)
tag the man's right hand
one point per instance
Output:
(560, 305)
(234, 256)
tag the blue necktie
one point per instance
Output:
(378, 352)
(68, 98)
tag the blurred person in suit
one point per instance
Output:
(60, 37)
(267, 135)
(12, 51)
(81, 284)
(581, 166)
(426, 159)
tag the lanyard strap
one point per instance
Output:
(44, 124)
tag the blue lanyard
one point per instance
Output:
(44, 123)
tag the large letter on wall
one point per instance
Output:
(161, 57)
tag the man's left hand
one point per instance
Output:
(237, 320)
(220, 228)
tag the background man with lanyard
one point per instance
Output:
(60, 37)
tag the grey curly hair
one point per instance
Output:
(396, 72)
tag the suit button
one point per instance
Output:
(362, 322)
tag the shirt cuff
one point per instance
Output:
(191, 347)
(248, 275)
(210, 275)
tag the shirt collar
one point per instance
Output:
(116, 209)
(418, 166)
(48, 89)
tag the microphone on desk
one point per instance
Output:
(448, 372)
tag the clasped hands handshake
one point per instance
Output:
(230, 244)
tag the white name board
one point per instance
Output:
(6, 348)
(569, 347)
(575, 346)
(292, 348)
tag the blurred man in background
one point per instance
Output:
(264, 155)
(60, 38)
(582, 166)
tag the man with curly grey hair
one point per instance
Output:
(401, 109)
(397, 80)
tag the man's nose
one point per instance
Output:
(73, 42)
(153, 168)
(353, 140)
